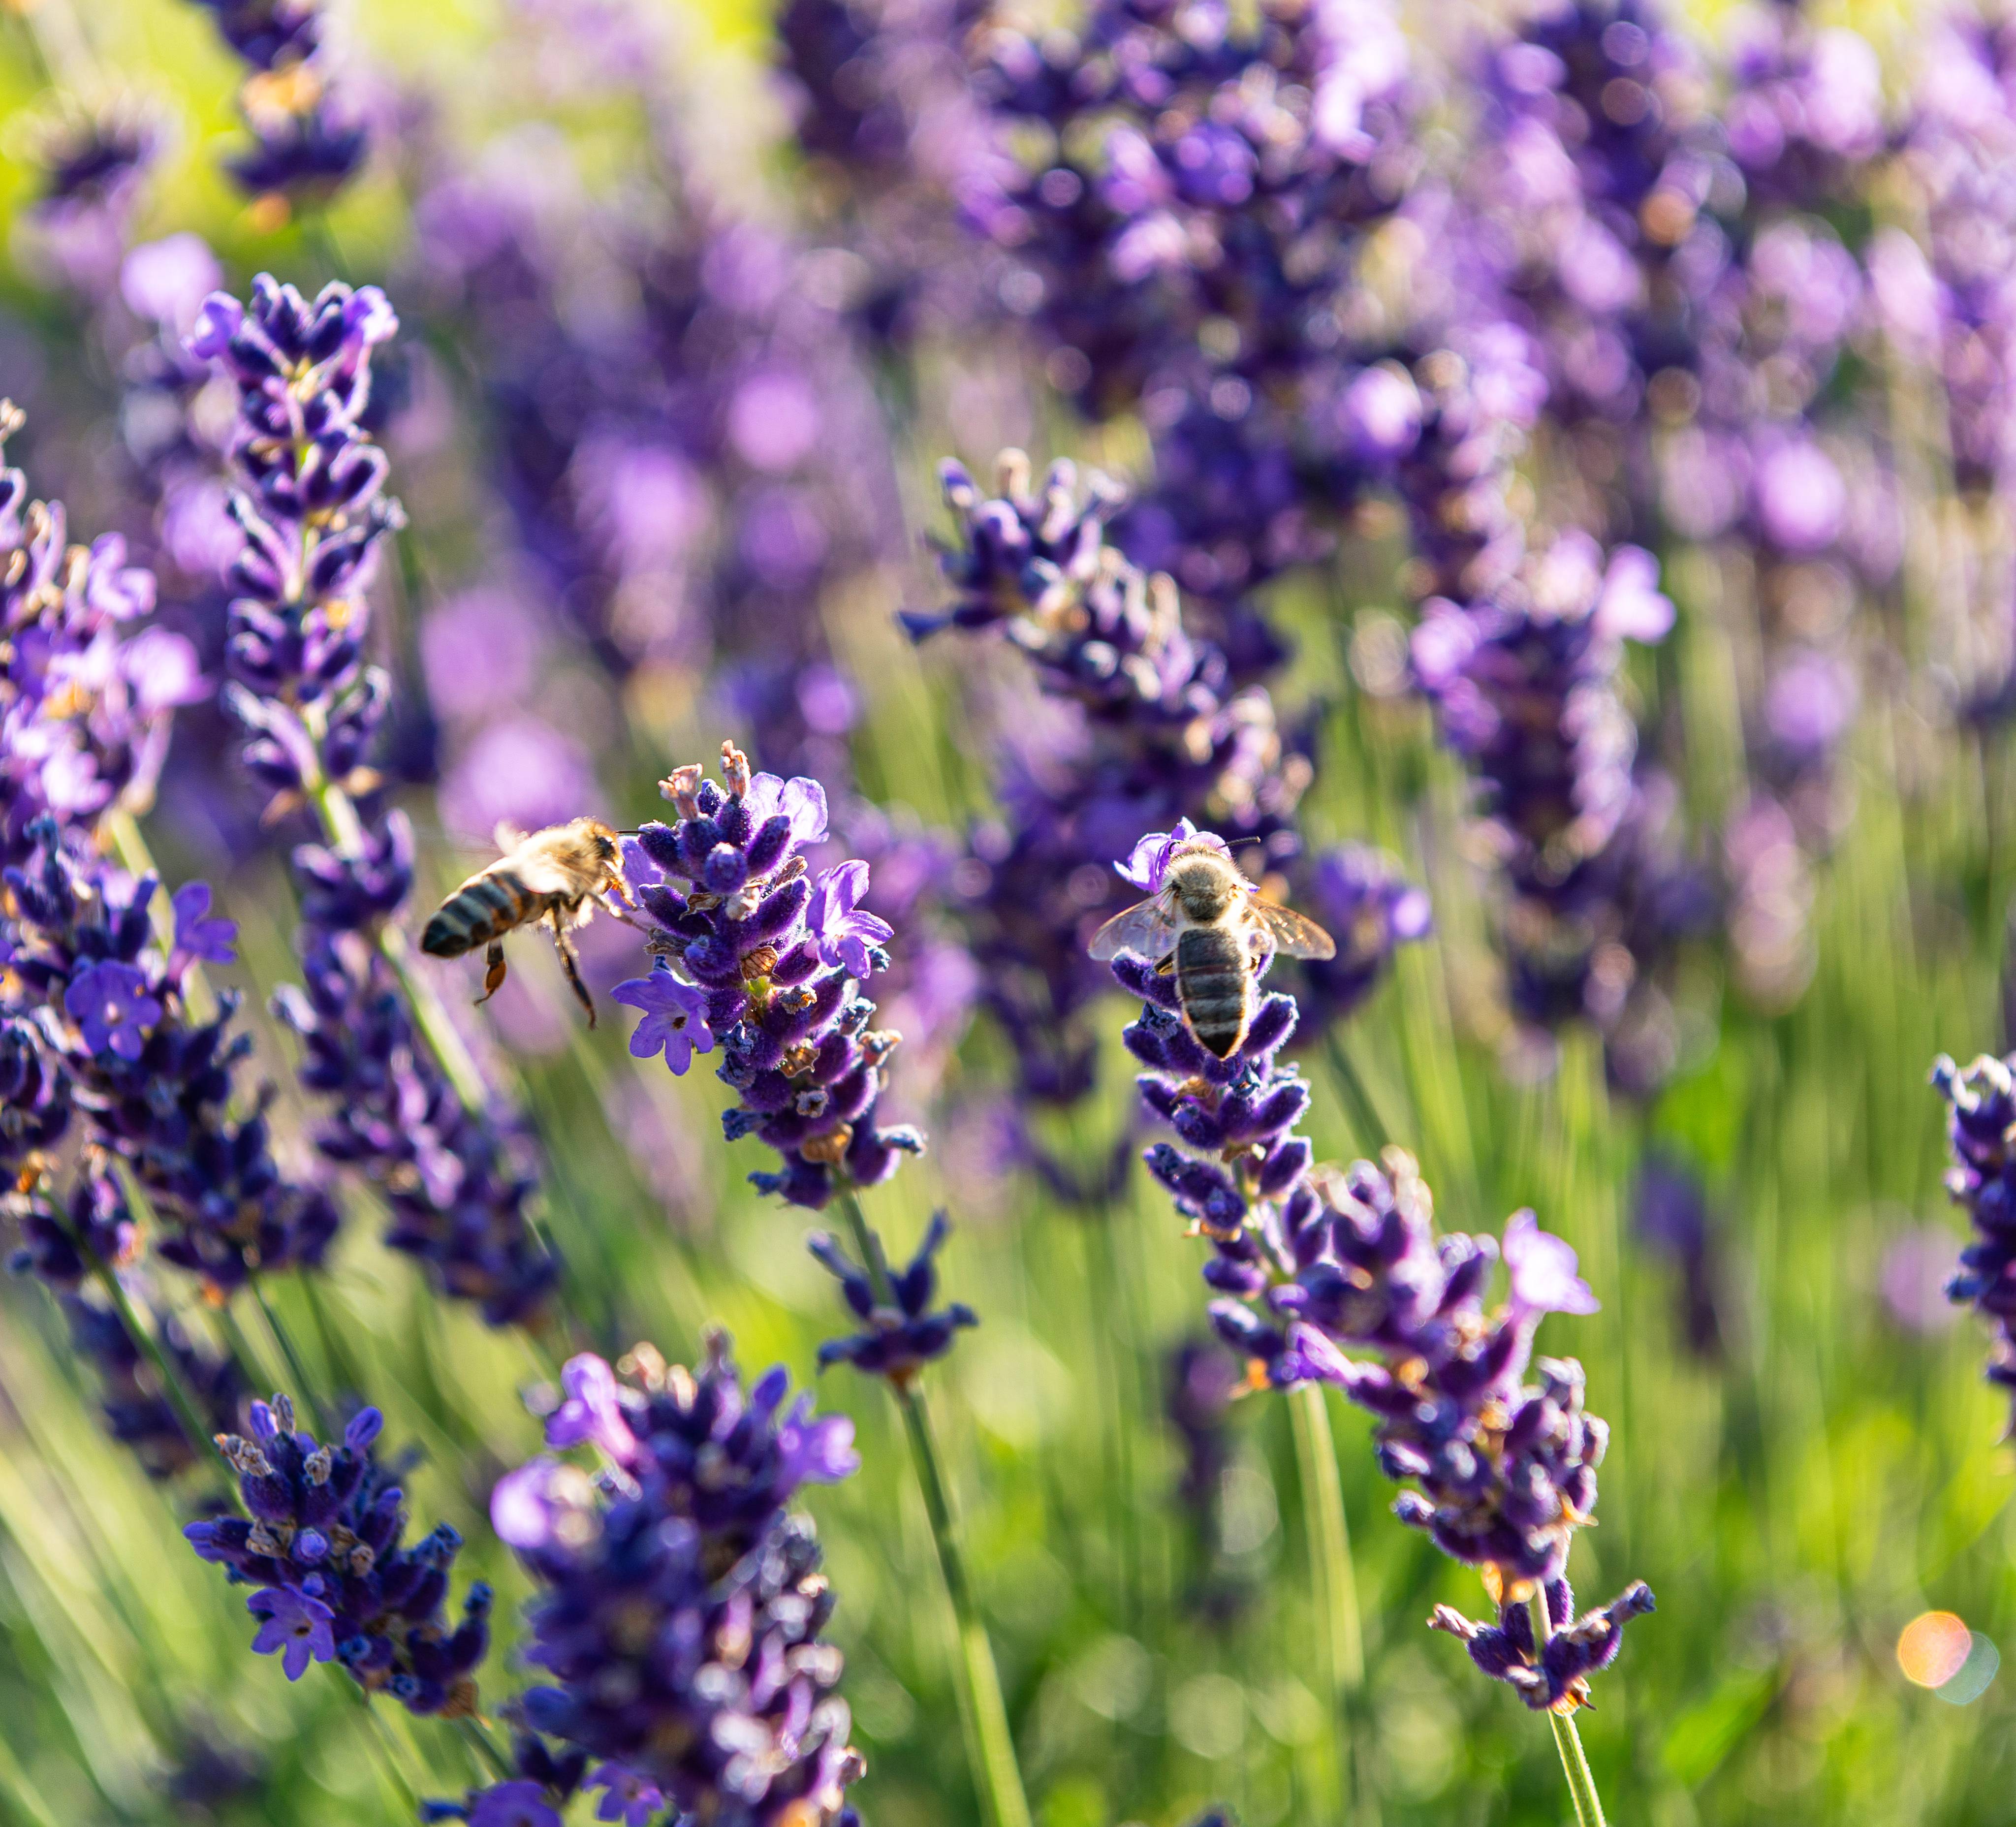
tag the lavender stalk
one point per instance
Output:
(756, 958)
(406, 1103)
(991, 1744)
(1313, 1265)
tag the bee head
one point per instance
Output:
(1203, 880)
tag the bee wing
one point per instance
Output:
(1144, 927)
(1289, 933)
(508, 836)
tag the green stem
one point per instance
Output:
(335, 1348)
(487, 1752)
(990, 1744)
(1339, 1638)
(390, 1764)
(304, 1388)
(1372, 1133)
(1568, 1741)
(178, 1397)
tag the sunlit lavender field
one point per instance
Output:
(1231, 789)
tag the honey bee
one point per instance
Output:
(1210, 926)
(553, 875)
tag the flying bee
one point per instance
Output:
(554, 875)
(1215, 931)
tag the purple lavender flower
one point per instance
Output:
(898, 1341)
(1187, 242)
(109, 1003)
(309, 501)
(792, 1027)
(86, 696)
(680, 1607)
(322, 1539)
(296, 1627)
(674, 1020)
(633, 1799)
(307, 141)
(841, 936)
(1982, 1104)
(1542, 1270)
(66, 1243)
(1554, 1680)
(1359, 897)
(513, 1804)
(1523, 685)
(687, 476)
(1341, 1278)
(1670, 1213)
(201, 937)
(112, 1015)
(93, 163)
(1151, 733)
(546, 1782)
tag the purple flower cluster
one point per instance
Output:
(885, 115)
(757, 956)
(1948, 304)
(93, 163)
(1694, 303)
(86, 694)
(681, 1606)
(1553, 1678)
(1157, 733)
(537, 1796)
(110, 1013)
(321, 1541)
(897, 1341)
(1313, 1266)
(311, 503)
(674, 468)
(307, 140)
(1523, 686)
(1187, 238)
(1981, 1120)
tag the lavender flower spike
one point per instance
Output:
(753, 957)
(337, 1583)
(1340, 1277)
(310, 500)
(681, 1606)
(307, 141)
(1981, 1106)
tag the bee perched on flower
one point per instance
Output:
(756, 955)
(1341, 1278)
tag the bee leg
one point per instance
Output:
(614, 884)
(493, 972)
(1168, 967)
(571, 965)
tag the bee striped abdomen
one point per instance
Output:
(1213, 984)
(483, 910)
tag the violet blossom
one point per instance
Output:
(740, 964)
(680, 1607)
(309, 499)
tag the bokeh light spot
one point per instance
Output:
(1971, 1679)
(1933, 1648)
